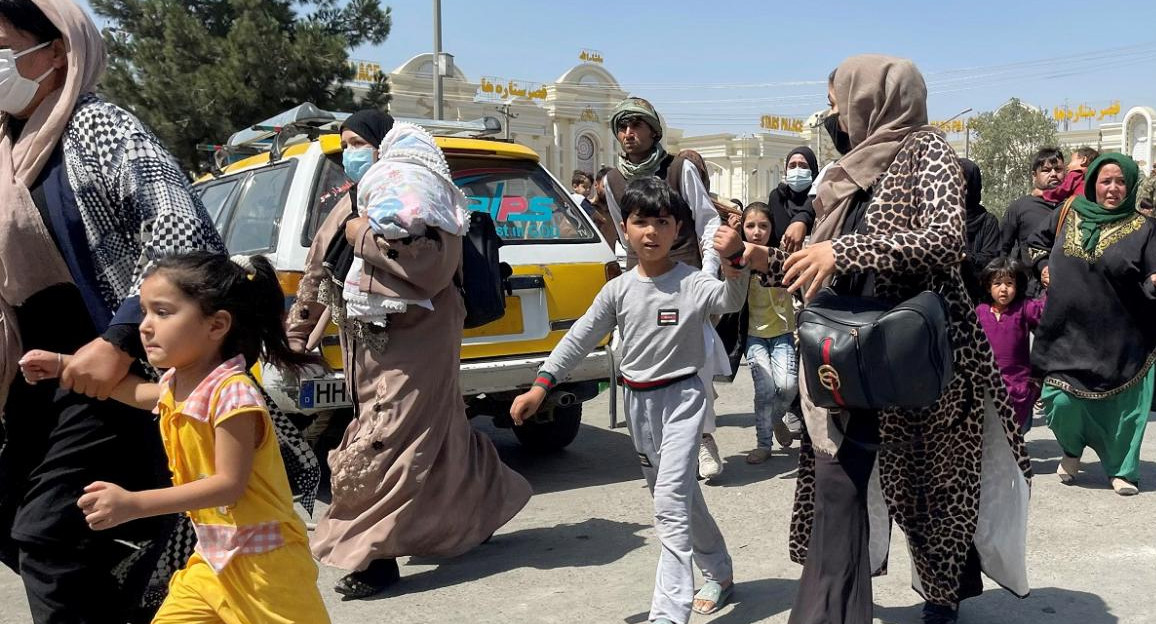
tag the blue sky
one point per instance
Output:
(684, 55)
(718, 66)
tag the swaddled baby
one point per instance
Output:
(406, 192)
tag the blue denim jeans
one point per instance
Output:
(774, 369)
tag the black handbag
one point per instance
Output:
(866, 353)
(338, 256)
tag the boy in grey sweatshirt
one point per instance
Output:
(659, 308)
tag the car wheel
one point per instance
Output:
(551, 431)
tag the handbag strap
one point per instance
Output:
(1064, 210)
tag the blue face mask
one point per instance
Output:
(357, 161)
(799, 179)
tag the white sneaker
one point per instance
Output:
(794, 423)
(709, 462)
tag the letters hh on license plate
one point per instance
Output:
(322, 393)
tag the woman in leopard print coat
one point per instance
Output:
(954, 475)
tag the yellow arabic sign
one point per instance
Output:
(365, 71)
(953, 126)
(590, 56)
(787, 124)
(1084, 112)
(498, 88)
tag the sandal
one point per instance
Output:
(1124, 487)
(1068, 469)
(939, 614)
(716, 594)
(378, 577)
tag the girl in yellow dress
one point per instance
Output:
(208, 318)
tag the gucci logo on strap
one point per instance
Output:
(829, 378)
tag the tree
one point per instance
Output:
(1005, 142)
(196, 71)
(378, 95)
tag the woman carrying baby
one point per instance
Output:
(410, 477)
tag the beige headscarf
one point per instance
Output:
(29, 259)
(882, 100)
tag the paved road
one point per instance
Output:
(583, 550)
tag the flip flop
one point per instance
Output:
(714, 592)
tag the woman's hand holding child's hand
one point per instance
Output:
(38, 365)
(106, 505)
(526, 404)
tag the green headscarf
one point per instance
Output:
(1093, 216)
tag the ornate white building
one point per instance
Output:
(567, 123)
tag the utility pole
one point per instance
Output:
(437, 54)
(504, 109)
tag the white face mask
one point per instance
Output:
(798, 178)
(16, 91)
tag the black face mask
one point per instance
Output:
(841, 139)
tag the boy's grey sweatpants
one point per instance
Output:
(666, 426)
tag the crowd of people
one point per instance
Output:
(119, 303)
(1029, 338)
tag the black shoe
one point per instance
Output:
(939, 614)
(378, 577)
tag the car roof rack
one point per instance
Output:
(307, 122)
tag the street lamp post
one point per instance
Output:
(966, 131)
(437, 54)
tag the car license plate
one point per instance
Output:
(323, 394)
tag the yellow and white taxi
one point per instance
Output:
(272, 202)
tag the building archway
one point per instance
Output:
(1137, 136)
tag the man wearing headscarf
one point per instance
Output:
(790, 201)
(983, 235)
(639, 132)
(90, 196)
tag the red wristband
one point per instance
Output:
(545, 381)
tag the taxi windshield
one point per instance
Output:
(527, 206)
